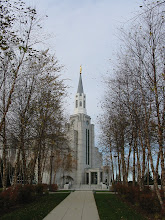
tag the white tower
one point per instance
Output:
(80, 133)
(80, 98)
(83, 132)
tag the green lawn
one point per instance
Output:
(36, 210)
(111, 208)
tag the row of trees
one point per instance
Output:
(134, 106)
(31, 96)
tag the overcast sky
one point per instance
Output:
(85, 33)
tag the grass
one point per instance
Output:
(36, 210)
(111, 208)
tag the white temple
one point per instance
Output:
(88, 170)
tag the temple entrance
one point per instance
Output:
(93, 177)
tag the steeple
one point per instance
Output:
(80, 98)
(80, 86)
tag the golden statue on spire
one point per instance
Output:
(80, 69)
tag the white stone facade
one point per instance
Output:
(87, 156)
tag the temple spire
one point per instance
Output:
(80, 86)
(80, 98)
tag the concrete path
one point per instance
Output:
(79, 205)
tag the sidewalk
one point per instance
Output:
(79, 205)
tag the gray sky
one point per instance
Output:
(85, 32)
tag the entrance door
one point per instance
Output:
(87, 178)
(93, 177)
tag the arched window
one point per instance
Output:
(76, 103)
(80, 103)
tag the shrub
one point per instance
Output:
(115, 187)
(53, 187)
(163, 210)
(45, 187)
(15, 194)
(130, 193)
(47, 192)
(162, 194)
(146, 202)
(5, 197)
(39, 188)
(133, 194)
(121, 189)
(149, 203)
(26, 194)
(146, 190)
(1, 201)
(20, 194)
(146, 199)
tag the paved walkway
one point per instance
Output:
(79, 205)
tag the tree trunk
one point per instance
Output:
(128, 166)
(32, 170)
(54, 177)
(23, 154)
(17, 165)
(112, 166)
(51, 161)
(39, 164)
(155, 180)
(44, 156)
(157, 165)
(4, 180)
(144, 160)
(123, 166)
(119, 176)
(152, 164)
(148, 172)
(139, 167)
(134, 165)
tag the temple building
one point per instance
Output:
(81, 131)
(88, 170)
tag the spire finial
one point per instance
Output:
(80, 69)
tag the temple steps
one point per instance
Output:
(86, 187)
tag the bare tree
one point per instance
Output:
(134, 103)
